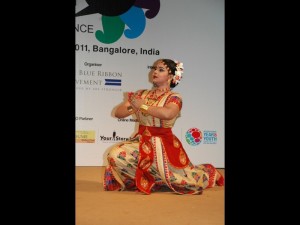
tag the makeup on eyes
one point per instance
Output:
(161, 69)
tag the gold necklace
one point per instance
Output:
(152, 98)
(163, 89)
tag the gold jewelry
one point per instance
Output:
(130, 109)
(144, 108)
(163, 89)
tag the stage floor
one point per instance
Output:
(97, 207)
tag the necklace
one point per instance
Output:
(163, 89)
(153, 98)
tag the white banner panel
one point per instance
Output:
(115, 46)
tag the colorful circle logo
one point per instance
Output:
(193, 136)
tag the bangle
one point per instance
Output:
(130, 109)
(144, 108)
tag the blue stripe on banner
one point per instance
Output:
(112, 80)
(115, 84)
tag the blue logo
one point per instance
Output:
(210, 137)
(114, 82)
(118, 13)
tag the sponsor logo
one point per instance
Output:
(91, 80)
(195, 136)
(85, 136)
(113, 82)
(113, 138)
(209, 137)
(118, 18)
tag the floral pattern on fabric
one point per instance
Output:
(149, 162)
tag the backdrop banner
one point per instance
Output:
(116, 45)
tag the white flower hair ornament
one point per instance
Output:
(178, 73)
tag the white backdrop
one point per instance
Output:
(189, 31)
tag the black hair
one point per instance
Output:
(172, 68)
